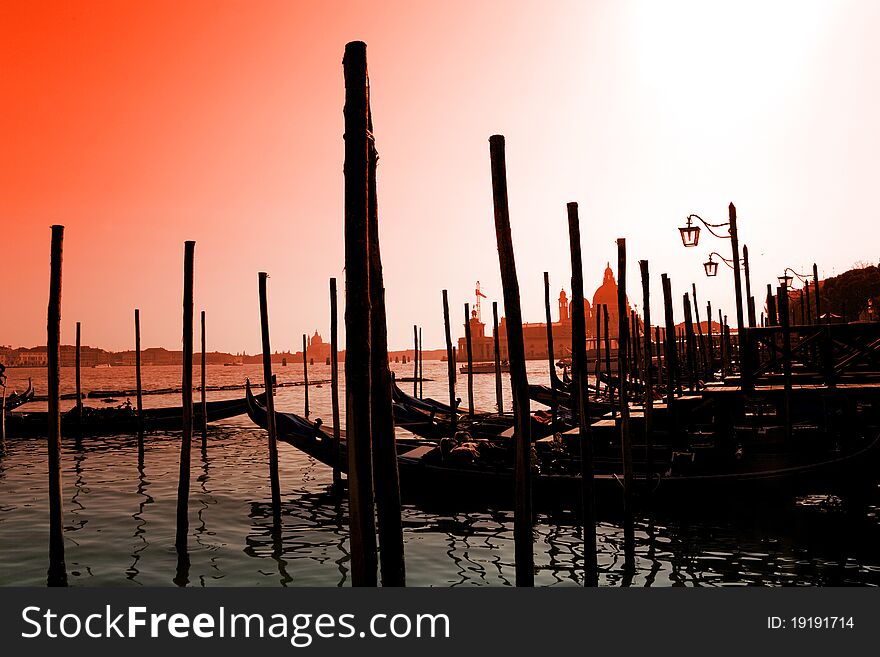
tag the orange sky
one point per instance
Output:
(139, 125)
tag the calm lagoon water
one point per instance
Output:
(119, 519)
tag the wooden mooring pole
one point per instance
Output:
(386, 479)
(137, 375)
(648, 377)
(421, 367)
(470, 358)
(609, 388)
(690, 342)
(204, 399)
(334, 384)
(598, 368)
(816, 293)
(186, 401)
(364, 557)
(79, 404)
(305, 376)
(450, 364)
(786, 356)
(57, 573)
(268, 383)
(580, 378)
(415, 361)
(623, 394)
(523, 548)
(551, 360)
(701, 343)
(499, 401)
(671, 351)
(711, 353)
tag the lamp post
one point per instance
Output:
(711, 266)
(690, 236)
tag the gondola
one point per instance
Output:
(17, 399)
(430, 469)
(119, 420)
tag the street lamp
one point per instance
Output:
(690, 236)
(786, 279)
(711, 266)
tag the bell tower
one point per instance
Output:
(563, 307)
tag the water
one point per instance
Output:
(119, 520)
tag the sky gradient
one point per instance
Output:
(139, 125)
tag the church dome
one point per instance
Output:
(606, 294)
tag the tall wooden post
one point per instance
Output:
(551, 359)
(470, 358)
(786, 355)
(3, 415)
(57, 573)
(421, 367)
(711, 354)
(386, 478)
(499, 402)
(204, 400)
(274, 482)
(609, 387)
(364, 558)
(137, 375)
(648, 377)
(186, 401)
(334, 385)
(660, 351)
(598, 311)
(580, 374)
(79, 404)
(750, 305)
(305, 377)
(525, 559)
(809, 305)
(671, 351)
(415, 361)
(701, 344)
(450, 364)
(772, 315)
(740, 323)
(690, 346)
(623, 393)
(816, 292)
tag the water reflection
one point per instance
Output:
(140, 530)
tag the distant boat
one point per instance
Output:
(233, 364)
(102, 365)
(484, 368)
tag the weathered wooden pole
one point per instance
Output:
(786, 355)
(186, 400)
(598, 311)
(803, 308)
(551, 359)
(3, 416)
(334, 384)
(204, 400)
(415, 361)
(470, 358)
(701, 343)
(722, 344)
(580, 378)
(523, 549)
(608, 388)
(57, 573)
(690, 346)
(816, 293)
(421, 367)
(305, 377)
(660, 351)
(499, 401)
(711, 353)
(671, 352)
(623, 393)
(648, 377)
(809, 305)
(79, 404)
(137, 376)
(751, 305)
(728, 344)
(450, 364)
(364, 558)
(386, 479)
(274, 481)
(740, 323)
(772, 314)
